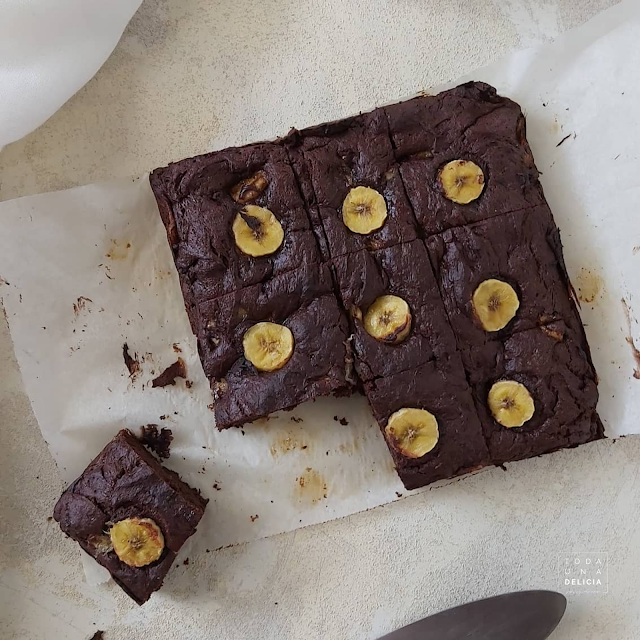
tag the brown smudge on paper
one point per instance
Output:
(176, 347)
(158, 441)
(636, 250)
(285, 443)
(590, 285)
(177, 370)
(118, 250)
(81, 305)
(630, 341)
(254, 518)
(311, 486)
(130, 362)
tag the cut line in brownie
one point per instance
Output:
(405, 271)
(126, 481)
(468, 123)
(522, 249)
(560, 378)
(440, 387)
(331, 160)
(199, 199)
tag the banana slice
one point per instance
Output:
(268, 346)
(248, 190)
(511, 403)
(137, 541)
(462, 181)
(413, 432)
(388, 319)
(257, 231)
(364, 210)
(495, 303)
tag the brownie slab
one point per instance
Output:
(473, 123)
(126, 481)
(200, 197)
(302, 300)
(522, 249)
(403, 270)
(439, 386)
(339, 156)
(560, 378)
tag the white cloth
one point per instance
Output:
(48, 50)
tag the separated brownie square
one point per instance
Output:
(502, 275)
(350, 180)
(535, 391)
(130, 514)
(463, 157)
(300, 351)
(399, 321)
(233, 218)
(443, 438)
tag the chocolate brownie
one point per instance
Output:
(560, 378)
(126, 481)
(404, 271)
(439, 386)
(302, 300)
(320, 365)
(339, 156)
(522, 249)
(200, 197)
(473, 123)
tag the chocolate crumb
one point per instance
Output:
(217, 487)
(98, 635)
(207, 551)
(335, 418)
(131, 363)
(398, 494)
(176, 348)
(186, 562)
(157, 441)
(344, 422)
(254, 518)
(163, 417)
(169, 375)
(297, 420)
(188, 384)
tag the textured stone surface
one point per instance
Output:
(189, 77)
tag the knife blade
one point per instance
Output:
(523, 615)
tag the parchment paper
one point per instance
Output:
(85, 270)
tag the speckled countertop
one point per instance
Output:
(192, 76)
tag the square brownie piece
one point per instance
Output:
(337, 157)
(302, 300)
(126, 481)
(199, 199)
(522, 249)
(440, 387)
(558, 374)
(403, 270)
(473, 123)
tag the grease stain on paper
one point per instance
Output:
(286, 442)
(589, 285)
(311, 487)
(118, 250)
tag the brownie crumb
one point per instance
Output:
(186, 562)
(49, 518)
(335, 418)
(80, 305)
(163, 417)
(344, 422)
(254, 518)
(133, 366)
(177, 370)
(217, 487)
(98, 635)
(398, 494)
(177, 348)
(188, 384)
(296, 420)
(158, 441)
(207, 551)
